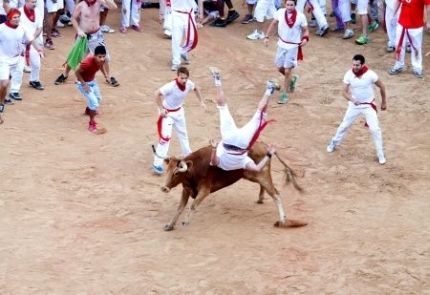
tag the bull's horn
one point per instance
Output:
(182, 166)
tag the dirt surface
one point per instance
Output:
(83, 214)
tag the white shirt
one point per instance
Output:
(230, 161)
(286, 33)
(12, 41)
(28, 25)
(361, 88)
(173, 96)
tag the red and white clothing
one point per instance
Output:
(184, 28)
(289, 37)
(130, 13)
(31, 21)
(391, 17)
(232, 151)
(12, 44)
(362, 91)
(316, 11)
(175, 119)
(410, 27)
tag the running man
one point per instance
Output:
(87, 84)
(169, 99)
(358, 91)
(293, 35)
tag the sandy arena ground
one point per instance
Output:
(83, 214)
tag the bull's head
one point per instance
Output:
(176, 172)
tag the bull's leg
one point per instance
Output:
(181, 206)
(261, 195)
(202, 194)
(282, 222)
(267, 184)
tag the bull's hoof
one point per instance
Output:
(259, 202)
(290, 223)
(168, 227)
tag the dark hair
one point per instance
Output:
(183, 70)
(100, 50)
(295, 2)
(360, 58)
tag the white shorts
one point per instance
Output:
(286, 58)
(54, 7)
(362, 6)
(265, 9)
(7, 65)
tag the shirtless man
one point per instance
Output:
(86, 22)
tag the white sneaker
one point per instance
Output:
(167, 33)
(107, 29)
(382, 160)
(256, 35)
(27, 69)
(349, 33)
(331, 147)
(216, 75)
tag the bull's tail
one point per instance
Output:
(290, 175)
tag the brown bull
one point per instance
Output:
(199, 179)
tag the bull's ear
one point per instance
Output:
(167, 161)
(189, 164)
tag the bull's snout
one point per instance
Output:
(165, 189)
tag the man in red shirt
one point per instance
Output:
(88, 86)
(410, 27)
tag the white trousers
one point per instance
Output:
(179, 25)
(16, 73)
(317, 11)
(345, 10)
(176, 121)
(391, 24)
(130, 13)
(35, 64)
(231, 134)
(352, 113)
(416, 41)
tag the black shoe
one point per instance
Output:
(15, 96)
(36, 85)
(232, 16)
(112, 82)
(60, 80)
(219, 23)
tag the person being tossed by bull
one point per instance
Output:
(231, 152)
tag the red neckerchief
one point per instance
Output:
(30, 14)
(180, 86)
(361, 72)
(290, 21)
(90, 3)
(9, 24)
